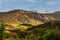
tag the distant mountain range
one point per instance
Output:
(28, 17)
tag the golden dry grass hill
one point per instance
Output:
(18, 16)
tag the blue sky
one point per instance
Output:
(40, 5)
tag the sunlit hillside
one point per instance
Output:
(16, 17)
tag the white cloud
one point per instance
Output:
(1, 4)
(1, 1)
(52, 2)
(32, 0)
(16, 0)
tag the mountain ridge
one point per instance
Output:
(30, 17)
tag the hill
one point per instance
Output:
(47, 25)
(29, 17)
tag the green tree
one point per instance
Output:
(2, 31)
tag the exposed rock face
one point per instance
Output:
(22, 16)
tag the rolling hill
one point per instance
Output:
(29, 17)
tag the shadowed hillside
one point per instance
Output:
(48, 25)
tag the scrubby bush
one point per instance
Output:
(3, 34)
(52, 35)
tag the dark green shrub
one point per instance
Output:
(2, 32)
(52, 35)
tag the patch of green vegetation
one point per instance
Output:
(3, 34)
(46, 31)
